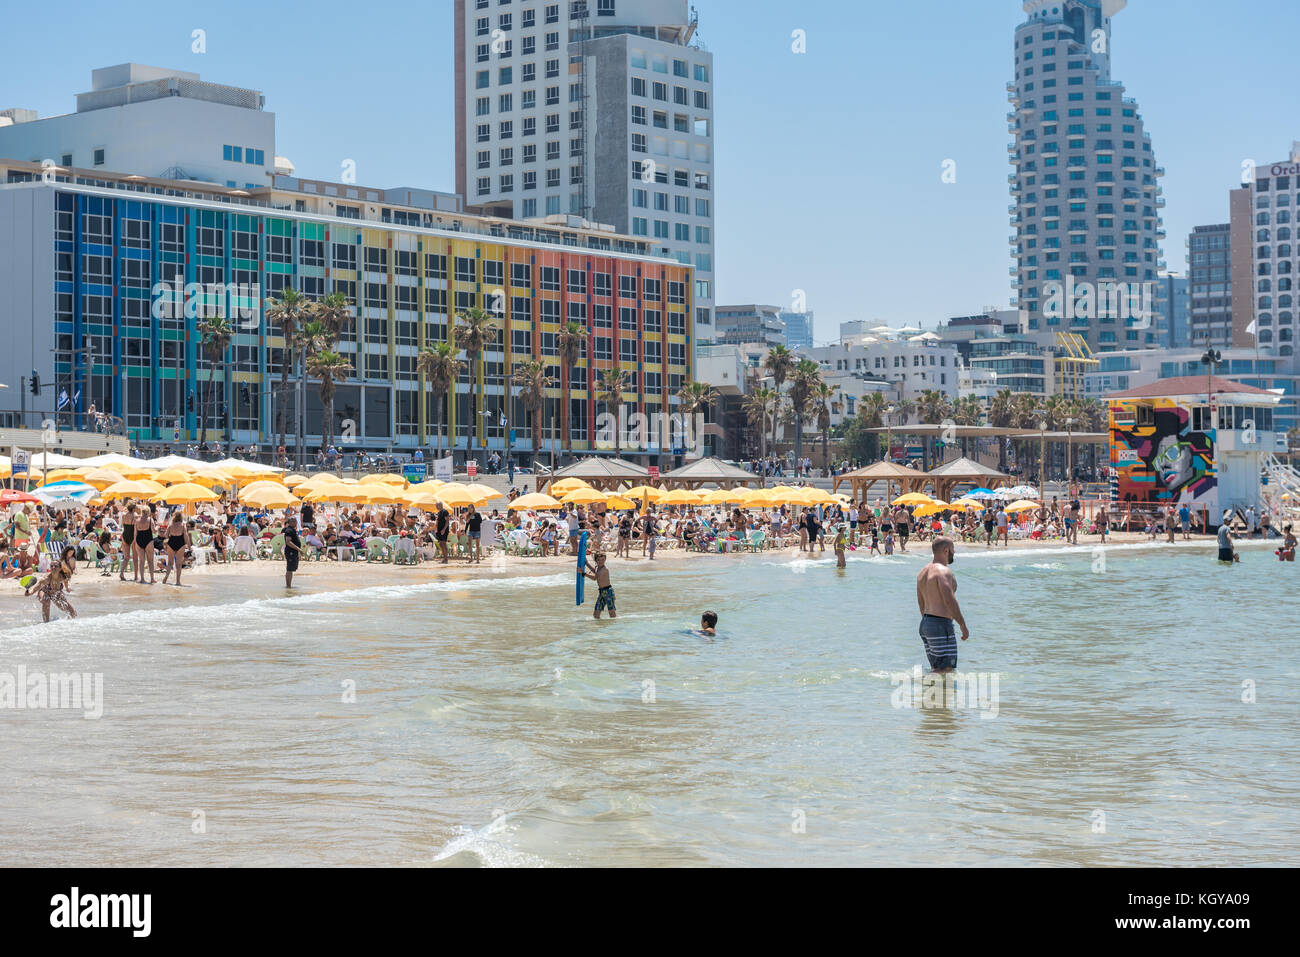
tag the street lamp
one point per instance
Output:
(889, 435)
(1212, 359)
(1069, 451)
(1042, 454)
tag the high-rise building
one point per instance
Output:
(744, 325)
(1209, 274)
(1173, 310)
(798, 329)
(1087, 199)
(1274, 198)
(599, 109)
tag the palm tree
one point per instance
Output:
(334, 312)
(330, 367)
(807, 375)
(613, 383)
(531, 376)
(934, 409)
(440, 368)
(871, 413)
(823, 399)
(215, 335)
(289, 311)
(780, 362)
(476, 330)
(696, 397)
(1002, 415)
(758, 408)
(571, 340)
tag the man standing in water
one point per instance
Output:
(936, 595)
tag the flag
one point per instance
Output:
(63, 398)
(1252, 329)
(76, 397)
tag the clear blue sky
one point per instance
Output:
(829, 162)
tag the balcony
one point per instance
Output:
(1011, 178)
(1160, 202)
(1013, 208)
(1015, 187)
(1159, 171)
(1013, 270)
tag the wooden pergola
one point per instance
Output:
(709, 471)
(951, 474)
(605, 474)
(909, 480)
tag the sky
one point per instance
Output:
(829, 162)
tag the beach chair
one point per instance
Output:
(757, 540)
(93, 554)
(377, 550)
(244, 549)
(404, 552)
(275, 549)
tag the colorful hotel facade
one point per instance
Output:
(89, 300)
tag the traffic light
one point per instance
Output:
(36, 382)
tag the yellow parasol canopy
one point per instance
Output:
(102, 478)
(62, 475)
(293, 481)
(171, 476)
(483, 492)
(644, 492)
(680, 496)
(536, 500)
(456, 495)
(185, 493)
(912, 498)
(127, 488)
(1024, 505)
(567, 485)
(383, 478)
(619, 503)
(583, 496)
(269, 495)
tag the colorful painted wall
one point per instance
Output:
(1162, 460)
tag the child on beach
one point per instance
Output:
(840, 544)
(605, 597)
(889, 542)
(875, 539)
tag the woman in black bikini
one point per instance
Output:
(178, 539)
(128, 542)
(144, 544)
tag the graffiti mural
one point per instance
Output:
(1158, 458)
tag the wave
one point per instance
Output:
(486, 851)
(176, 617)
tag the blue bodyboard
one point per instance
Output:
(582, 567)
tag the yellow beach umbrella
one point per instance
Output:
(379, 493)
(101, 478)
(293, 481)
(567, 485)
(484, 492)
(681, 496)
(255, 487)
(335, 492)
(932, 508)
(128, 488)
(425, 501)
(172, 477)
(583, 496)
(620, 504)
(967, 505)
(62, 475)
(720, 496)
(1024, 505)
(383, 478)
(269, 495)
(214, 477)
(456, 495)
(536, 500)
(185, 493)
(644, 492)
(760, 498)
(912, 498)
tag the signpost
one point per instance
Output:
(471, 469)
(442, 469)
(654, 473)
(415, 473)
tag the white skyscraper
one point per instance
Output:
(600, 109)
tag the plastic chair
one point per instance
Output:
(376, 550)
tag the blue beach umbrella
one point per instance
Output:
(65, 495)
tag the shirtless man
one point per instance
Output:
(600, 574)
(936, 596)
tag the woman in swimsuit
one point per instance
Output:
(128, 542)
(144, 544)
(178, 539)
(52, 588)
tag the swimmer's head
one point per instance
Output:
(944, 550)
(600, 558)
(709, 619)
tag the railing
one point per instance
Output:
(61, 422)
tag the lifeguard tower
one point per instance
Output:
(1200, 441)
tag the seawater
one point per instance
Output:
(1146, 714)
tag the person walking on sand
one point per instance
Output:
(936, 596)
(128, 542)
(605, 597)
(144, 544)
(292, 548)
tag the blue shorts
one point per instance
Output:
(605, 599)
(940, 640)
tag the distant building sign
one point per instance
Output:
(1284, 170)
